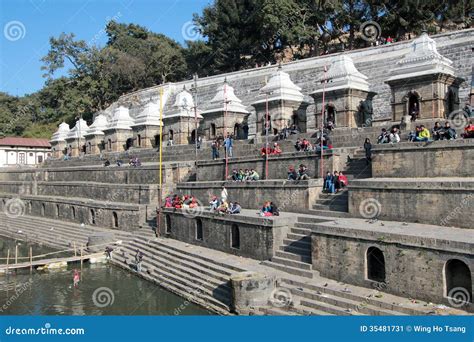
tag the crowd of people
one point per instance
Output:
(243, 176)
(269, 209)
(181, 202)
(334, 182)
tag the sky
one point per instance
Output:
(27, 25)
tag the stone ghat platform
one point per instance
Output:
(446, 201)
(125, 193)
(214, 170)
(246, 234)
(115, 215)
(202, 275)
(145, 174)
(414, 260)
(292, 196)
(453, 158)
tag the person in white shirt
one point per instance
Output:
(224, 194)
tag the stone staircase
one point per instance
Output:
(196, 277)
(332, 205)
(294, 256)
(338, 299)
(52, 233)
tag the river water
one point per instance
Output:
(103, 290)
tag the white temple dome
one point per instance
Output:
(280, 87)
(61, 133)
(149, 116)
(120, 119)
(97, 128)
(225, 99)
(79, 129)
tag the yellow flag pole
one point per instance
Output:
(160, 177)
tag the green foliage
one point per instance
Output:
(237, 35)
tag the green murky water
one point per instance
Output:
(102, 290)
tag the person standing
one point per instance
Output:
(224, 194)
(368, 150)
(215, 150)
(228, 144)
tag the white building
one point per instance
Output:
(23, 151)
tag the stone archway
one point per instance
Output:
(458, 281)
(375, 264)
(413, 99)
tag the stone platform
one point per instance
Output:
(292, 196)
(447, 201)
(414, 257)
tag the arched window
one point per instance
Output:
(92, 216)
(375, 264)
(128, 144)
(57, 210)
(168, 224)
(235, 236)
(73, 212)
(139, 140)
(458, 281)
(212, 131)
(115, 219)
(43, 209)
(199, 234)
(109, 145)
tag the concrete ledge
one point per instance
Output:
(445, 201)
(292, 196)
(259, 236)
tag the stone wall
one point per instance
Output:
(287, 195)
(258, 236)
(125, 193)
(414, 266)
(436, 159)
(129, 216)
(447, 202)
(277, 165)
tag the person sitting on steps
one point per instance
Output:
(292, 174)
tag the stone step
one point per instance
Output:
(192, 267)
(278, 312)
(340, 302)
(300, 231)
(306, 252)
(298, 244)
(287, 282)
(299, 237)
(331, 309)
(221, 267)
(292, 256)
(292, 263)
(289, 269)
(214, 287)
(330, 207)
(311, 219)
(189, 291)
(329, 213)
